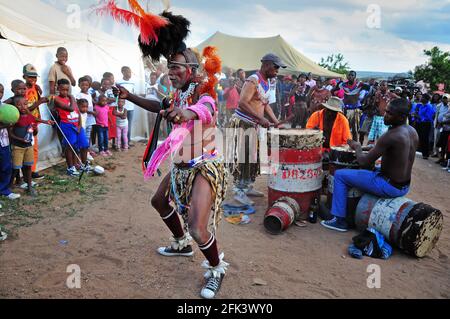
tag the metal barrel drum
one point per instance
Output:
(281, 215)
(295, 168)
(342, 157)
(412, 227)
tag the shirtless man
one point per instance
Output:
(352, 111)
(398, 150)
(250, 114)
(196, 183)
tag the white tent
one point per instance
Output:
(31, 31)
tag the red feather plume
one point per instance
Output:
(213, 65)
(148, 24)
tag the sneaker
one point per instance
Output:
(242, 198)
(169, 251)
(36, 175)
(109, 152)
(13, 196)
(25, 185)
(3, 235)
(335, 224)
(253, 192)
(73, 172)
(211, 287)
(89, 157)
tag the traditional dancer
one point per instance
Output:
(352, 110)
(248, 117)
(196, 184)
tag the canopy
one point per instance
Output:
(31, 33)
(246, 53)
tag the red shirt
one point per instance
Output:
(232, 96)
(25, 120)
(68, 116)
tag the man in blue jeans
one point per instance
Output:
(397, 147)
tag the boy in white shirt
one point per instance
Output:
(89, 123)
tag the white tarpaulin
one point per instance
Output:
(33, 30)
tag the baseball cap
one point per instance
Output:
(275, 59)
(398, 89)
(29, 70)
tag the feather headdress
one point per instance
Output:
(160, 35)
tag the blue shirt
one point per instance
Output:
(426, 112)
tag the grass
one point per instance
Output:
(56, 190)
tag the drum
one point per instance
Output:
(343, 157)
(281, 215)
(295, 168)
(412, 227)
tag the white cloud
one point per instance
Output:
(317, 33)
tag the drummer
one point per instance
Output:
(333, 124)
(397, 147)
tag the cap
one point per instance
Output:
(29, 70)
(398, 89)
(275, 59)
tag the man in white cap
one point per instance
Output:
(250, 114)
(398, 90)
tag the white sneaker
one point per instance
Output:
(13, 196)
(89, 157)
(25, 185)
(3, 235)
(242, 198)
(253, 192)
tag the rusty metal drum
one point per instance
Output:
(412, 227)
(295, 166)
(281, 215)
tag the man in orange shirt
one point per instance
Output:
(333, 124)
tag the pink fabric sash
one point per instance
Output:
(173, 142)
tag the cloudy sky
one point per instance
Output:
(383, 35)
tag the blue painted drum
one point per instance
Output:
(412, 227)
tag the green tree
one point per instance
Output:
(436, 70)
(335, 63)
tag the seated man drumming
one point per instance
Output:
(397, 147)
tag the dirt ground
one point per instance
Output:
(113, 236)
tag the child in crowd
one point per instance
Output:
(83, 107)
(34, 98)
(71, 127)
(60, 70)
(5, 158)
(83, 83)
(112, 103)
(19, 88)
(21, 135)
(94, 91)
(102, 110)
(122, 126)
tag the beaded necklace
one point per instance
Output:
(184, 99)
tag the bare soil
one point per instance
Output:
(112, 233)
